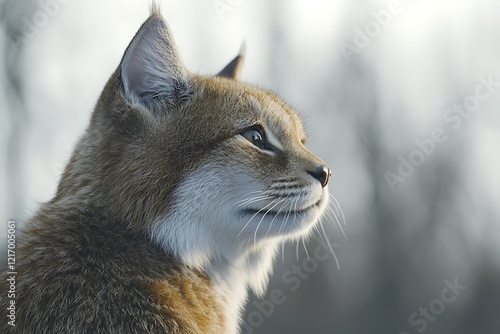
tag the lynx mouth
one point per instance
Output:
(274, 213)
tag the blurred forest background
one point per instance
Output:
(400, 98)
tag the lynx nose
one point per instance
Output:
(322, 174)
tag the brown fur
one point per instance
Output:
(82, 272)
(86, 263)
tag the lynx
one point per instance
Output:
(172, 205)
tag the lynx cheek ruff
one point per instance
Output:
(172, 206)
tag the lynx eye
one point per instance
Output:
(256, 136)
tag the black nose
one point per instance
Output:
(322, 174)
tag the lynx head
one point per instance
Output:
(213, 170)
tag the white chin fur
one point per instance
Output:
(203, 229)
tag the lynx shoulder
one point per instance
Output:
(172, 205)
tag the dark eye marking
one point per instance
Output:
(257, 136)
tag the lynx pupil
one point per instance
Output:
(256, 137)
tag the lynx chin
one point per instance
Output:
(173, 205)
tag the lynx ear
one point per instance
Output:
(152, 71)
(233, 69)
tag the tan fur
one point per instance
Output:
(81, 272)
(86, 262)
(193, 295)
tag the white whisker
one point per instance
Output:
(253, 218)
(297, 250)
(253, 192)
(260, 222)
(286, 217)
(334, 204)
(339, 208)
(282, 252)
(330, 214)
(330, 246)
(282, 224)
(277, 213)
(255, 199)
(305, 248)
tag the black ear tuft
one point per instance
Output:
(152, 71)
(233, 69)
